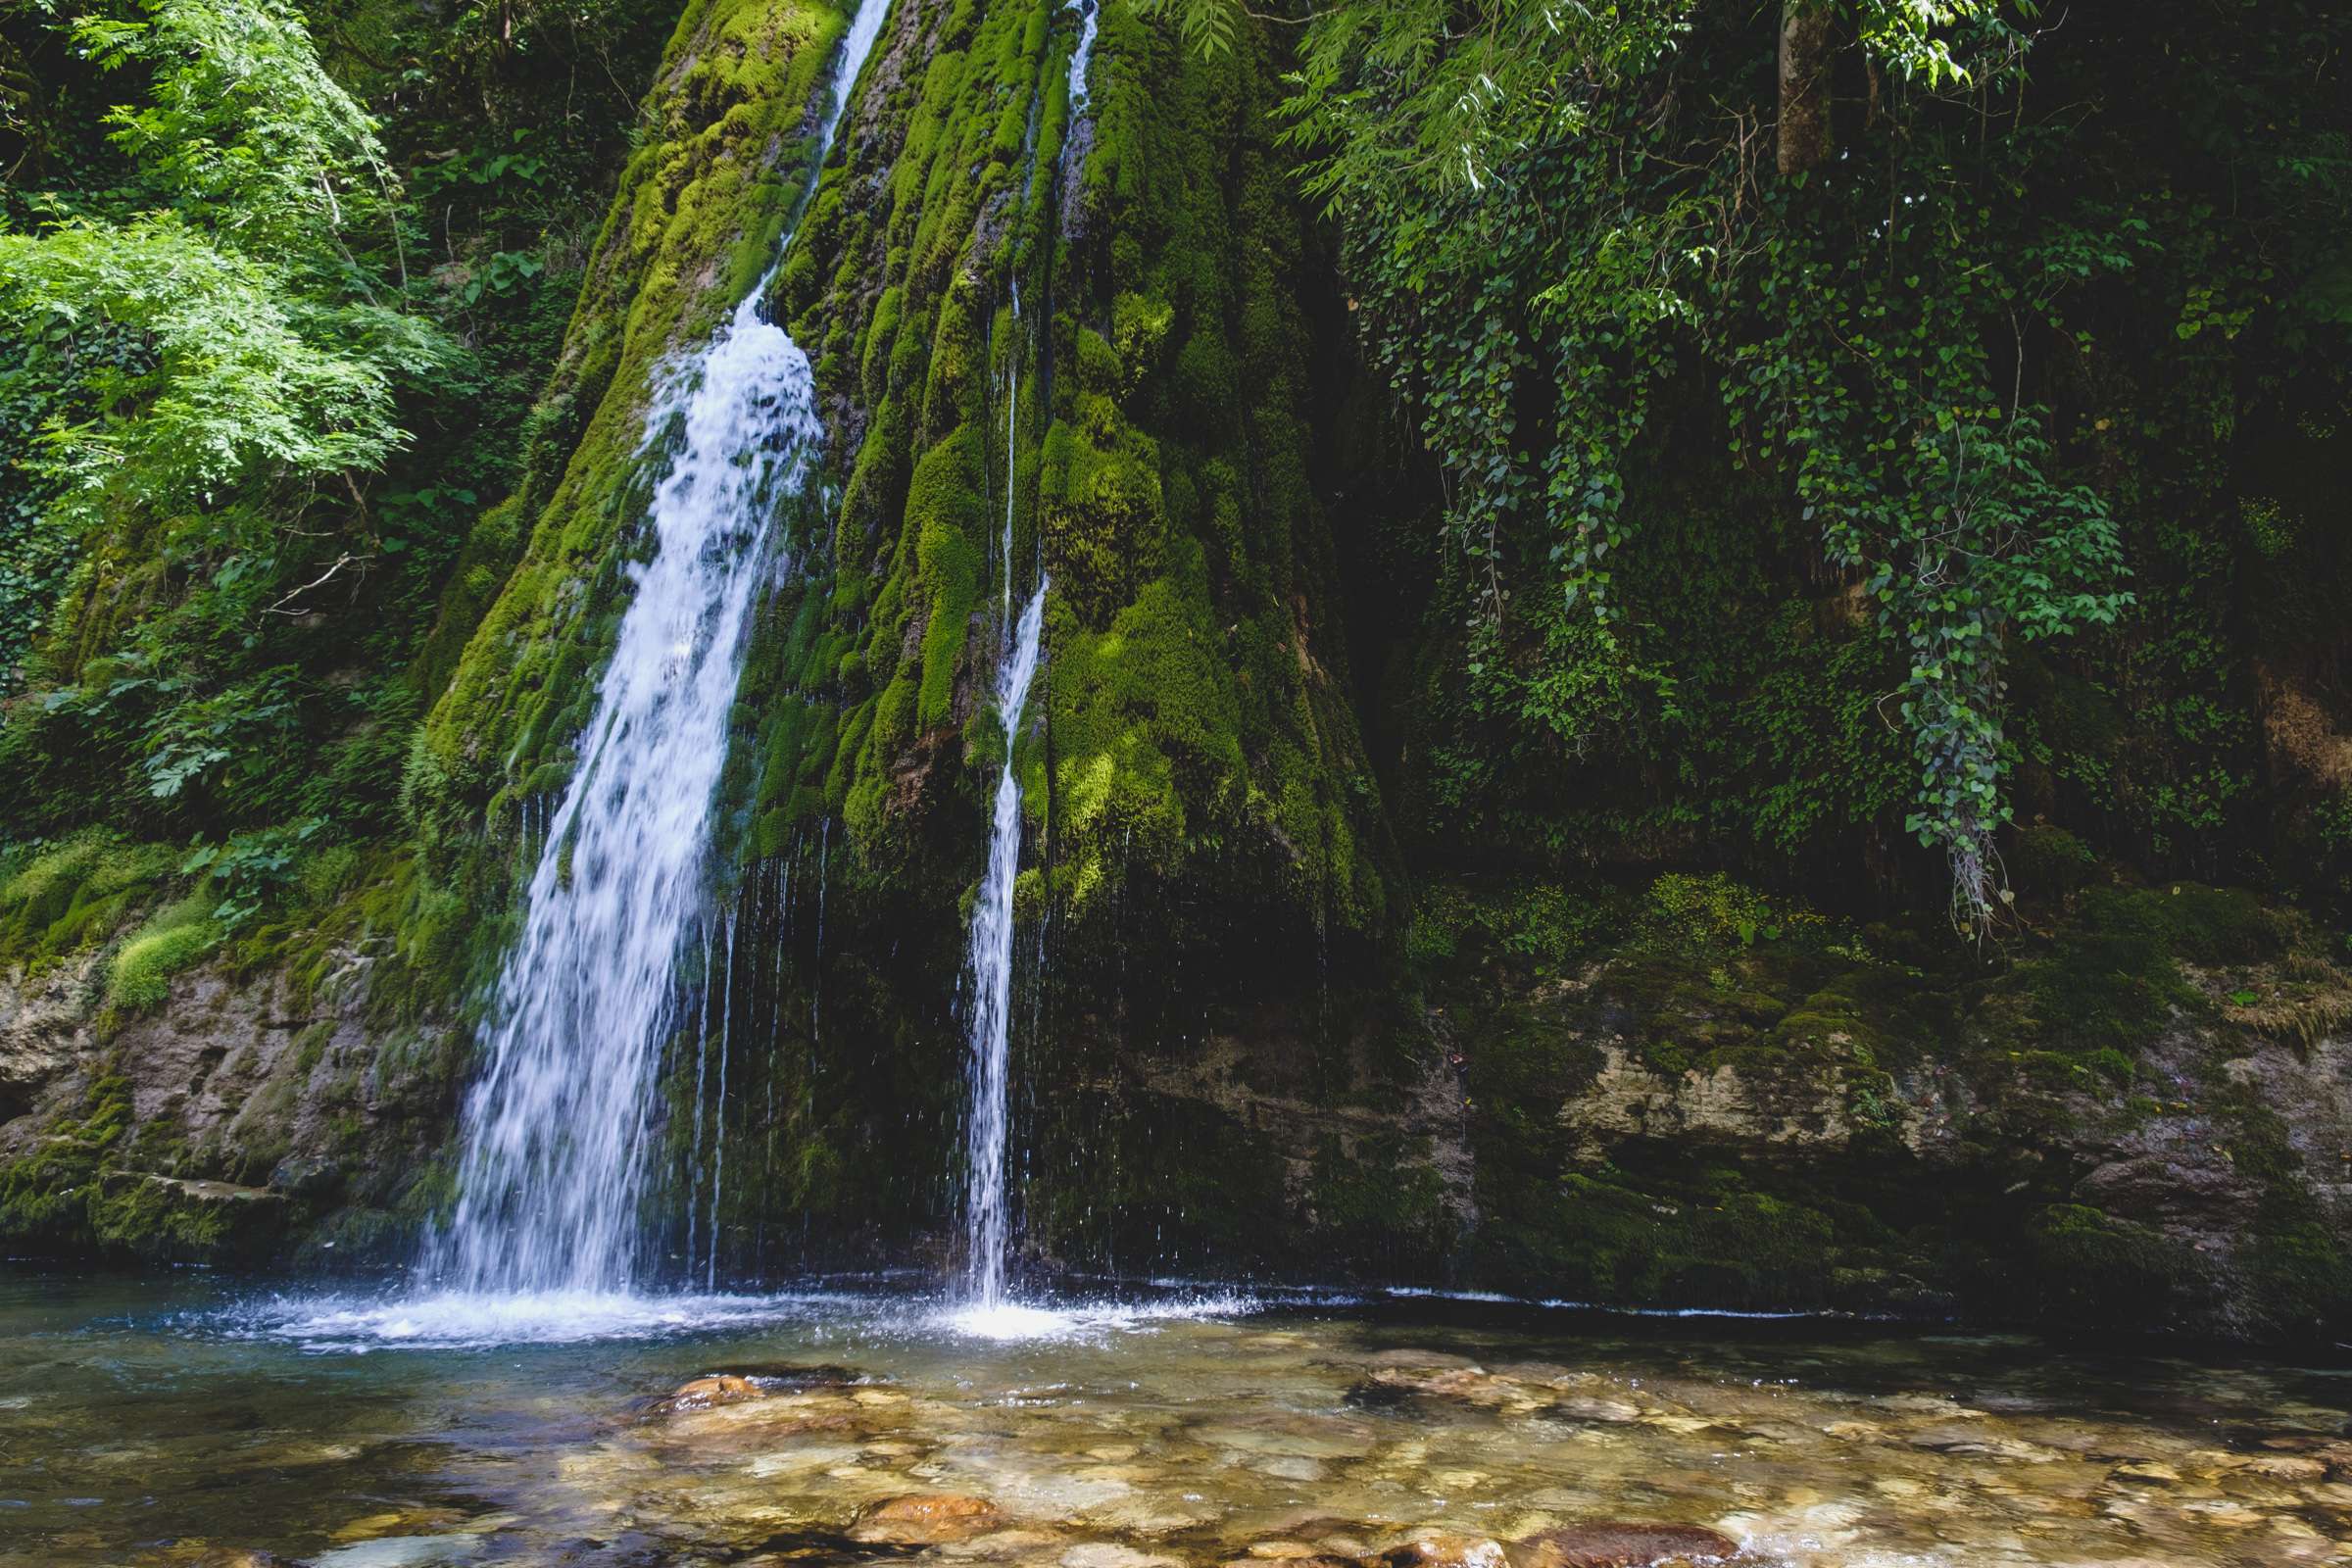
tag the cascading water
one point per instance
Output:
(558, 1129)
(989, 951)
(990, 960)
(1083, 56)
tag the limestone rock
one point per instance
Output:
(925, 1519)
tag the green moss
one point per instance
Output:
(79, 893)
(949, 519)
(2049, 862)
(174, 938)
(2301, 1277)
(699, 212)
(2110, 979)
(2097, 1268)
(45, 1192)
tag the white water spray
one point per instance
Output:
(558, 1130)
(990, 960)
(1083, 56)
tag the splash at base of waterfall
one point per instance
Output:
(457, 1320)
(474, 1320)
(1083, 1319)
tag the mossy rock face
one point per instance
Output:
(1138, 427)
(1715, 1098)
(701, 206)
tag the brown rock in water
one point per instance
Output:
(1442, 1551)
(719, 1387)
(1622, 1546)
(925, 1519)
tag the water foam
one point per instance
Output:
(481, 1320)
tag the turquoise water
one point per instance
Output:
(187, 1418)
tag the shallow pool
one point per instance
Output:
(190, 1419)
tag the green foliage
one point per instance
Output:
(1853, 346)
(267, 353)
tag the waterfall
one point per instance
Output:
(1083, 56)
(558, 1129)
(990, 958)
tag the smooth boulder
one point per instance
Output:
(1614, 1544)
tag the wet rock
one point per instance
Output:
(925, 1519)
(2147, 1473)
(1397, 1386)
(1421, 1359)
(798, 1375)
(401, 1551)
(719, 1387)
(1442, 1551)
(1110, 1554)
(1586, 1408)
(998, 1545)
(1622, 1546)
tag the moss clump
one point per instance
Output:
(1379, 1204)
(1543, 924)
(2049, 862)
(45, 1192)
(77, 893)
(1610, 1237)
(2300, 1275)
(2093, 1267)
(1193, 704)
(2109, 979)
(174, 939)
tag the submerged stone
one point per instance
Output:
(1622, 1546)
(1439, 1550)
(1111, 1554)
(925, 1518)
(720, 1388)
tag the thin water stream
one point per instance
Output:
(989, 961)
(179, 1421)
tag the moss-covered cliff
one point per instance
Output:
(1634, 1013)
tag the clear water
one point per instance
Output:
(557, 1128)
(989, 963)
(152, 1422)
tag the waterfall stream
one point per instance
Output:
(990, 960)
(558, 1129)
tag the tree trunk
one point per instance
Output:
(1804, 84)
